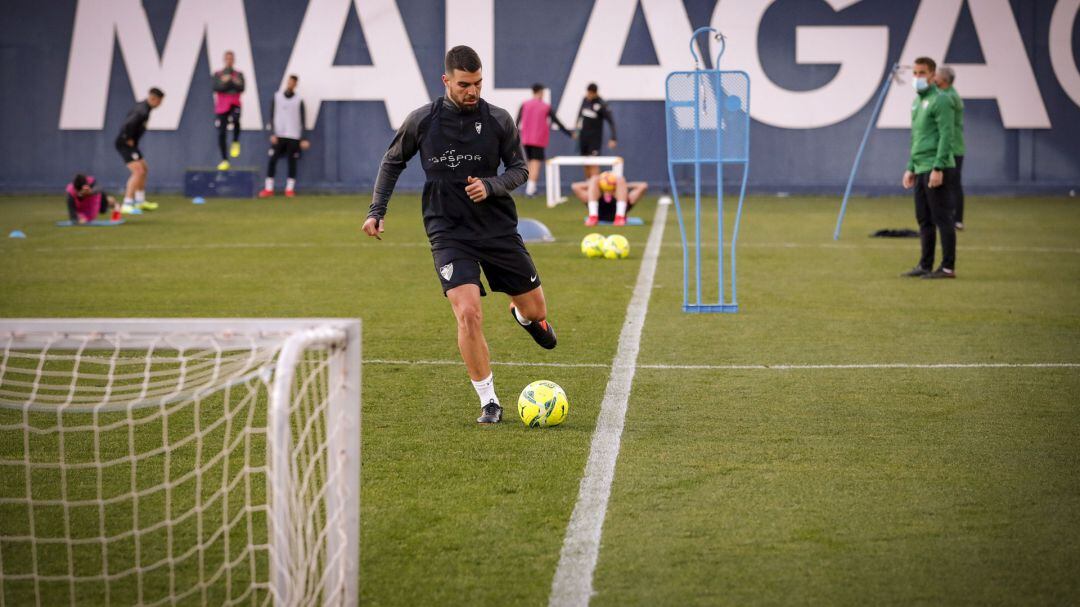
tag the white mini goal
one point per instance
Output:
(554, 179)
(179, 461)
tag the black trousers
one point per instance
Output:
(934, 212)
(957, 189)
(223, 122)
(284, 148)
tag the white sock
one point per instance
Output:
(620, 208)
(530, 188)
(269, 185)
(140, 195)
(290, 184)
(485, 389)
(594, 208)
(129, 200)
(521, 319)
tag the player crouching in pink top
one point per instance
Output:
(609, 197)
(85, 201)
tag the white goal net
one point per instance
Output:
(179, 461)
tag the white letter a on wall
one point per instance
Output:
(393, 77)
(601, 47)
(1006, 76)
(86, 88)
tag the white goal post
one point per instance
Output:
(193, 461)
(553, 178)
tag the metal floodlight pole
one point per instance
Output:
(862, 146)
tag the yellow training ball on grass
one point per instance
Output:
(616, 247)
(542, 403)
(593, 245)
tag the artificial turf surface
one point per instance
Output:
(734, 486)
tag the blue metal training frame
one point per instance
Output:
(708, 123)
(889, 78)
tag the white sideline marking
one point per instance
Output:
(752, 367)
(867, 366)
(572, 584)
(425, 244)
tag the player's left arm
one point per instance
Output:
(131, 125)
(514, 170)
(943, 117)
(304, 143)
(558, 123)
(605, 112)
(220, 81)
(238, 80)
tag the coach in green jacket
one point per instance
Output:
(930, 171)
(944, 80)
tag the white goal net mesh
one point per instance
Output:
(142, 465)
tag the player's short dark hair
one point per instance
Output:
(928, 62)
(79, 181)
(294, 77)
(156, 92)
(538, 87)
(462, 58)
(591, 88)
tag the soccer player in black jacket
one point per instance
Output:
(127, 143)
(593, 114)
(470, 218)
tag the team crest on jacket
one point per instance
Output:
(447, 271)
(478, 125)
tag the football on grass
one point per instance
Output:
(542, 403)
(593, 245)
(616, 247)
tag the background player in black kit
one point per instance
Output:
(127, 144)
(470, 218)
(590, 127)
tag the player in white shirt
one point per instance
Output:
(287, 140)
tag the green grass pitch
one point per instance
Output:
(861, 485)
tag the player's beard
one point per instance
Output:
(467, 103)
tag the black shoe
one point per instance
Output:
(916, 272)
(941, 273)
(541, 330)
(492, 413)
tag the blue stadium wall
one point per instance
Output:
(1033, 146)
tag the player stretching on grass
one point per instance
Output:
(609, 197)
(469, 216)
(127, 143)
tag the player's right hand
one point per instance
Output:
(909, 180)
(373, 227)
(273, 139)
(130, 143)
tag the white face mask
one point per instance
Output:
(920, 84)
